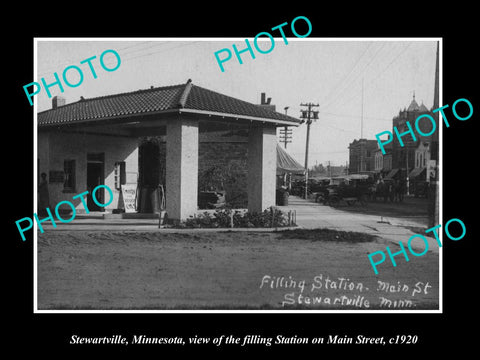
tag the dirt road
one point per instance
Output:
(227, 270)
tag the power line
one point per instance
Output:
(148, 47)
(339, 129)
(163, 50)
(133, 57)
(132, 46)
(353, 116)
(396, 57)
(322, 152)
(328, 97)
(71, 61)
(345, 88)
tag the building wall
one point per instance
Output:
(362, 155)
(230, 159)
(422, 156)
(262, 159)
(387, 162)
(378, 160)
(222, 165)
(43, 154)
(55, 147)
(227, 155)
(399, 153)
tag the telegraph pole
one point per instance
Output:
(361, 120)
(285, 133)
(434, 184)
(285, 136)
(308, 116)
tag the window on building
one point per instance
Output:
(69, 169)
(120, 174)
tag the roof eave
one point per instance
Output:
(108, 118)
(115, 118)
(244, 117)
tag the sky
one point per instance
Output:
(327, 72)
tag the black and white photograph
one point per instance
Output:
(281, 185)
(178, 186)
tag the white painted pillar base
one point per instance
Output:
(262, 167)
(181, 169)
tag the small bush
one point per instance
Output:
(225, 218)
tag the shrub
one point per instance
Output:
(223, 218)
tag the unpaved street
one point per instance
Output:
(227, 270)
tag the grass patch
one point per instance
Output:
(326, 235)
(420, 230)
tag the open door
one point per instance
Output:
(95, 177)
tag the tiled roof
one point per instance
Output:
(185, 97)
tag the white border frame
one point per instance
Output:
(313, 311)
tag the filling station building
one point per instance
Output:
(173, 137)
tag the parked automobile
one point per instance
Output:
(211, 199)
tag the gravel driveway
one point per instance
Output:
(308, 269)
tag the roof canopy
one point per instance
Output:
(185, 98)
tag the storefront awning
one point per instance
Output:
(391, 174)
(356, 177)
(416, 172)
(287, 164)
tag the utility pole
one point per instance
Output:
(285, 133)
(407, 179)
(308, 116)
(433, 188)
(361, 119)
(362, 148)
(285, 136)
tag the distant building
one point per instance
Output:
(410, 160)
(362, 156)
(378, 160)
(387, 163)
(403, 157)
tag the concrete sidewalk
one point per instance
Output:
(312, 215)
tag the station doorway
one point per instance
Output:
(95, 177)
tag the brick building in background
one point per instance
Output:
(362, 156)
(403, 157)
(410, 161)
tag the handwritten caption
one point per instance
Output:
(324, 291)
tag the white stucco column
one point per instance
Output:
(262, 167)
(181, 168)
